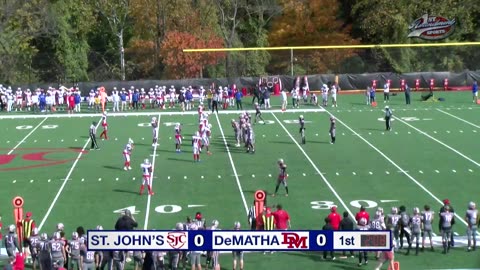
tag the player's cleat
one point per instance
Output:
(209, 153)
(125, 168)
(286, 195)
(129, 168)
(151, 193)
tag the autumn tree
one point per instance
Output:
(188, 65)
(312, 22)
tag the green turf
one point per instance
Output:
(401, 167)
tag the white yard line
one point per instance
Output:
(64, 183)
(395, 164)
(314, 166)
(149, 199)
(240, 189)
(153, 113)
(438, 141)
(28, 135)
(461, 119)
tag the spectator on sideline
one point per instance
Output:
(238, 100)
(386, 92)
(126, 222)
(407, 94)
(347, 225)
(328, 227)
(475, 91)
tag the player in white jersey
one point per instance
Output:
(305, 94)
(201, 95)
(154, 125)
(91, 99)
(10, 101)
(333, 94)
(18, 100)
(205, 133)
(325, 95)
(146, 176)
(127, 151)
(151, 98)
(172, 96)
(116, 100)
(178, 138)
(28, 97)
(196, 141)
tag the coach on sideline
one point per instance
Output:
(126, 222)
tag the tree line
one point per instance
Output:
(69, 41)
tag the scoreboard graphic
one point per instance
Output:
(240, 240)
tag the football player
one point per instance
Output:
(33, 241)
(205, 134)
(301, 121)
(427, 220)
(258, 113)
(127, 151)
(73, 250)
(104, 125)
(147, 177)
(196, 141)
(363, 255)
(57, 249)
(250, 139)
(178, 138)
(236, 131)
(416, 227)
(325, 95)
(447, 219)
(333, 128)
(392, 224)
(282, 177)
(472, 220)
(154, 125)
(43, 248)
(378, 224)
(404, 226)
(237, 255)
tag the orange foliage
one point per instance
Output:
(188, 65)
(312, 23)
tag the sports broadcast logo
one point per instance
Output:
(294, 240)
(431, 27)
(177, 239)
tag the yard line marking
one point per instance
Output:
(149, 198)
(240, 189)
(395, 164)
(458, 118)
(315, 167)
(28, 135)
(67, 178)
(438, 141)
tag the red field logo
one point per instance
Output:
(431, 27)
(36, 157)
(176, 239)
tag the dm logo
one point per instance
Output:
(431, 27)
(29, 158)
(176, 239)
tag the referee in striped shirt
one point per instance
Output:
(93, 136)
(252, 217)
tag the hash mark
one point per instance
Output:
(219, 176)
(133, 178)
(409, 132)
(369, 133)
(420, 172)
(35, 141)
(454, 171)
(185, 177)
(276, 135)
(143, 139)
(354, 173)
(304, 174)
(435, 132)
(31, 180)
(370, 173)
(49, 180)
(253, 175)
(48, 140)
(316, 134)
(99, 179)
(8, 141)
(83, 179)
(396, 133)
(201, 176)
(387, 172)
(116, 139)
(448, 131)
(470, 170)
(14, 181)
(76, 140)
(383, 133)
(461, 131)
(337, 173)
(474, 131)
(437, 171)
(269, 175)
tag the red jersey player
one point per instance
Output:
(147, 177)
(196, 141)
(154, 124)
(127, 151)
(362, 216)
(178, 138)
(104, 125)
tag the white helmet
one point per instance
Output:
(130, 141)
(56, 236)
(154, 118)
(44, 236)
(380, 209)
(146, 161)
(471, 205)
(11, 228)
(35, 231)
(179, 226)
(416, 210)
(236, 225)
(193, 227)
(60, 226)
(394, 210)
(105, 113)
(209, 125)
(99, 228)
(280, 160)
(74, 235)
(215, 223)
(301, 116)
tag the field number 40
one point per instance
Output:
(162, 209)
(324, 205)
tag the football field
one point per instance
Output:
(431, 154)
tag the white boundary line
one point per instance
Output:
(64, 183)
(80, 115)
(239, 185)
(314, 166)
(149, 199)
(395, 164)
(461, 119)
(438, 141)
(28, 135)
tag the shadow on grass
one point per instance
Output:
(179, 159)
(125, 191)
(112, 167)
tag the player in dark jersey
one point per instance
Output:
(301, 121)
(404, 226)
(332, 131)
(447, 219)
(33, 241)
(258, 114)
(44, 256)
(282, 177)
